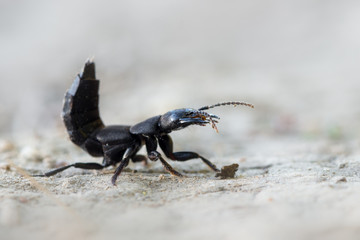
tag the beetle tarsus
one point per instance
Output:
(210, 164)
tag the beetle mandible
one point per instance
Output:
(120, 143)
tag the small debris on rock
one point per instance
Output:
(30, 154)
(228, 171)
(342, 165)
(5, 166)
(341, 180)
(49, 162)
(6, 146)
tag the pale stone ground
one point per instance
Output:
(310, 190)
(298, 150)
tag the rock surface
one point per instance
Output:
(311, 190)
(298, 151)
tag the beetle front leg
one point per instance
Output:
(153, 155)
(166, 145)
(140, 158)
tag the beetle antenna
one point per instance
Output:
(226, 103)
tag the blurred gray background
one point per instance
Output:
(297, 61)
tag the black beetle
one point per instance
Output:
(120, 143)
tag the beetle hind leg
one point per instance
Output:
(82, 165)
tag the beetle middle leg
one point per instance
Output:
(166, 144)
(124, 162)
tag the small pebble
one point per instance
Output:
(5, 166)
(49, 162)
(342, 165)
(6, 146)
(341, 180)
(30, 154)
(228, 171)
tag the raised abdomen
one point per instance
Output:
(81, 111)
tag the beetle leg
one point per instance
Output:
(118, 170)
(124, 162)
(139, 158)
(153, 155)
(166, 145)
(82, 165)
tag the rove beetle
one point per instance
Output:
(120, 143)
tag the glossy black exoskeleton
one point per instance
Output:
(119, 143)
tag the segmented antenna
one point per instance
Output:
(226, 103)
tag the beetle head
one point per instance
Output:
(180, 118)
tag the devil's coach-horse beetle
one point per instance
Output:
(120, 143)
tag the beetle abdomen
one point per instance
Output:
(81, 110)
